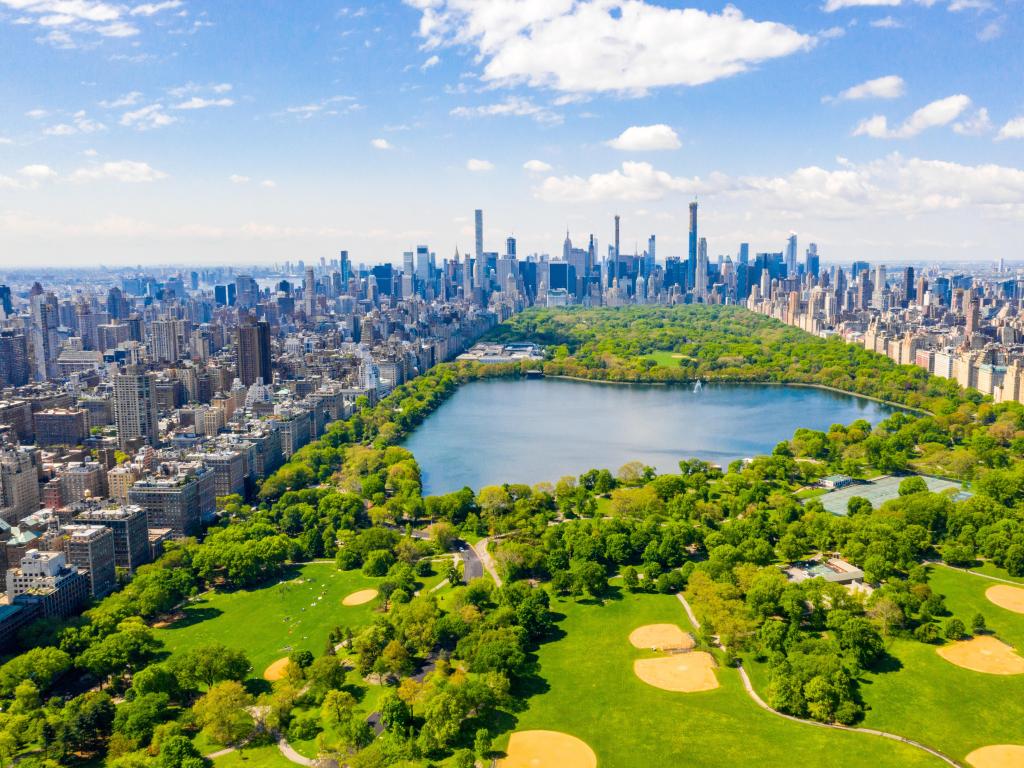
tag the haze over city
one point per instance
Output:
(190, 132)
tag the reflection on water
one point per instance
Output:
(515, 431)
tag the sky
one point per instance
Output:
(245, 131)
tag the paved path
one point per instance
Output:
(753, 694)
(974, 573)
(480, 548)
(289, 753)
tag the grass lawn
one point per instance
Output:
(989, 569)
(271, 621)
(953, 709)
(592, 693)
(668, 359)
(256, 757)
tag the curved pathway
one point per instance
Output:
(756, 698)
(974, 573)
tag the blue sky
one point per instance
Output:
(191, 131)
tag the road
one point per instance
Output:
(472, 568)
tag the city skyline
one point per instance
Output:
(182, 132)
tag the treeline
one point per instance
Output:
(718, 343)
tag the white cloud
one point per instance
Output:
(128, 171)
(990, 31)
(937, 113)
(5, 140)
(268, 183)
(835, 5)
(81, 123)
(886, 22)
(888, 87)
(238, 179)
(381, 144)
(479, 166)
(197, 102)
(433, 61)
(628, 46)
(890, 186)
(977, 124)
(118, 29)
(832, 33)
(38, 172)
(1014, 129)
(646, 138)
(81, 10)
(536, 166)
(36, 114)
(151, 9)
(145, 118)
(970, 5)
(324, 106)
(634, 182)
(181, 91)
(128, 100)
(513, 105)
(60, 129)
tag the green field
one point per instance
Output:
(668, 359)
(935, 702)
(295, 612)
(592, 693)
(257, 757)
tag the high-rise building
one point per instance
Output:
(130, 533)
(253, 343)
(167, 337)
(45, 580)
(91, 547)
(813, 261)
(247, 292)
(617, 254)
(135, 407)
(14, 362)
(19, 484)
(791, 255)
(309, 294)
(5, 300)
(691, 261)
(45, 338)
(179, 500)
(700, 285)
(480, 265)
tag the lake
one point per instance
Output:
(497, 431)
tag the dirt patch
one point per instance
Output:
(683, 673)
(361, 597)
(1005, 596)
(276, 670)
(997, 756)
(547, 749)
(984, 653)
(661, 637)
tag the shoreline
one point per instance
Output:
(689, 382)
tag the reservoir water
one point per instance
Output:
(528, 431)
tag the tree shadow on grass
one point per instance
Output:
(195, 615)
(886, 665)
(257, 685)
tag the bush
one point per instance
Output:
(304, 727)
(978, 624)
(954, 629)
(347, 560)
(424, 567)
(927, 633)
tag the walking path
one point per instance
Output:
(974, 573)
(753, 694)
(480, 548)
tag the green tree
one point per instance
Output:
(222, 712)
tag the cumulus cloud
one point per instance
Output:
(236, 178)
(977, 124)
(431, 62)
(513, 105)
(197, 102)
(625, 46)
(886, 22)
(38, 172)
(381, 144)
(146, 118)
(834, 5)
(128, 171)
(937, 113)
(128, 100)
(646, 138)
(893, 185)
(479, 166)
(1014, 129)
(151, 9)
(888, 87)
(536, 166)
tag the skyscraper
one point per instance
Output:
(691, 261)
(791, 255)
(135, 406)
(700, 285)
(254, 351)
(308, 294)
(480, 264)
(615, 257)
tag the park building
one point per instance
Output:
(91, 548)
(130, 529)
